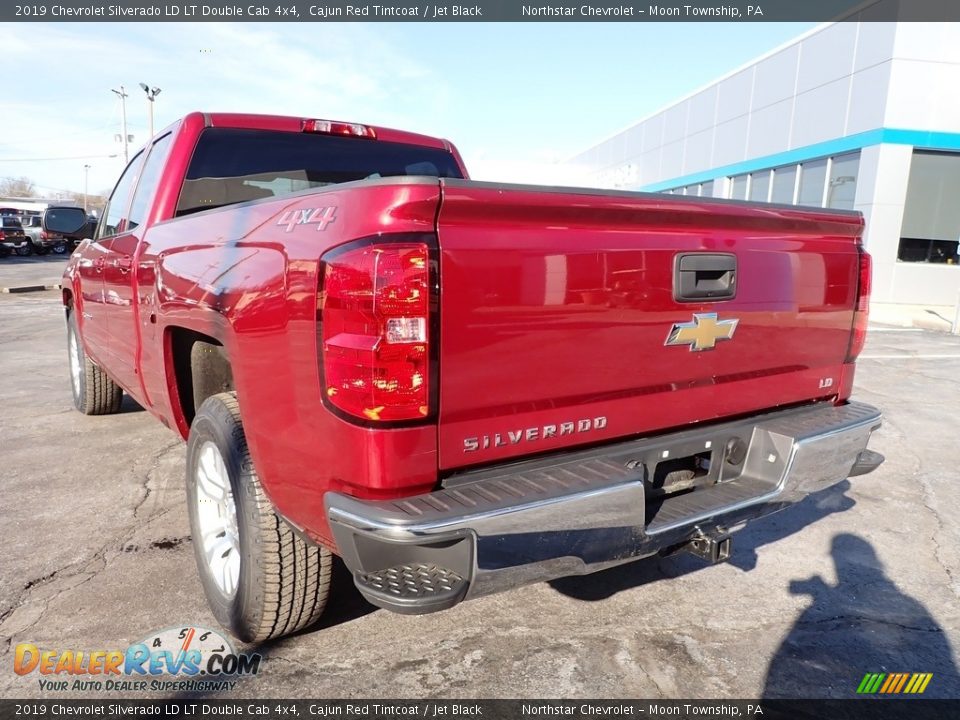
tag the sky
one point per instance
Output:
(516, 98)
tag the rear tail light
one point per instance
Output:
(862, 309)
(331, 127)
(375, 332)
(3, 235)
(43, 235)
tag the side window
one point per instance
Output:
(114, 213)
(149, 179)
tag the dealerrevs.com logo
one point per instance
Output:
(182, 659)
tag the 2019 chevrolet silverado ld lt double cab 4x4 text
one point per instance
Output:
(458, 387)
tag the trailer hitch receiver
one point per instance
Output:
(714, 547)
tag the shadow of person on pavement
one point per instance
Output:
(794, 519)
(863, 624)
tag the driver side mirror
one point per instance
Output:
(64, 220)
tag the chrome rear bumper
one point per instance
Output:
(579, 512)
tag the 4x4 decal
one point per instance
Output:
(321, 217)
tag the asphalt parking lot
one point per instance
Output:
(31, 272)
(864, 577)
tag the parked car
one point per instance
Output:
(12, 237)
(458, 387)
(42, 241)
(84, 234)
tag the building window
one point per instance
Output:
(930, 251)
(931, 216)
(738, 187)
(706, 189)
(813, 175)
(784, 184)
(760, 186)
(842, 189)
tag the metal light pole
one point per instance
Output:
(122, 94)
(86, 176)
(151, 96)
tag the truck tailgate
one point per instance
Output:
(557, 307)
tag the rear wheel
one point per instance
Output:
(261, 579)
(25, 249)
(94, 393)
(60, 248)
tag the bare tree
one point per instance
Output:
(94, 202)
(17, 187)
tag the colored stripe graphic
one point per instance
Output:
(891, 679)
(876, 683)
(894, 683)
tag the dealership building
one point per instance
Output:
(862, 116)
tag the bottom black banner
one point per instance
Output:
(868, 709)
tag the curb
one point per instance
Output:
(29, 288)
(935, 324)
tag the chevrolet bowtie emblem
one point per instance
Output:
(702, 333)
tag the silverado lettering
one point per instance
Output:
(544, 432)
(458, 387)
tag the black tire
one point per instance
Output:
(60, 248)
(94, 393)
(25, 249)
(40, 250)
(284, 580)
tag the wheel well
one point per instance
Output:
(67, 301)
(201, 368)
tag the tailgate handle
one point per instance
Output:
(705, 276)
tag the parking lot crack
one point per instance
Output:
(26, 589)
(639, 665)
(49, 587)
(927, 498)
(29, 606)
(148, 475)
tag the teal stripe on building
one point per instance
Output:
(893, 136)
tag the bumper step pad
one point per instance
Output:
(412, 589)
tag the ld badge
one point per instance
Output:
(702, 333)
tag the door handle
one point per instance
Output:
(98, 264)
(124, 263)
(705, 276)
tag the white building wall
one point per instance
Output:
(881, 191)
(872, 87)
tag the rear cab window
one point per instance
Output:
(233, 165)
(11, 222)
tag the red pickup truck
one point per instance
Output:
(457, 387)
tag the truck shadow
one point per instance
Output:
(346, 604)
(607, 583)
(129, 405)
(862, 625)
